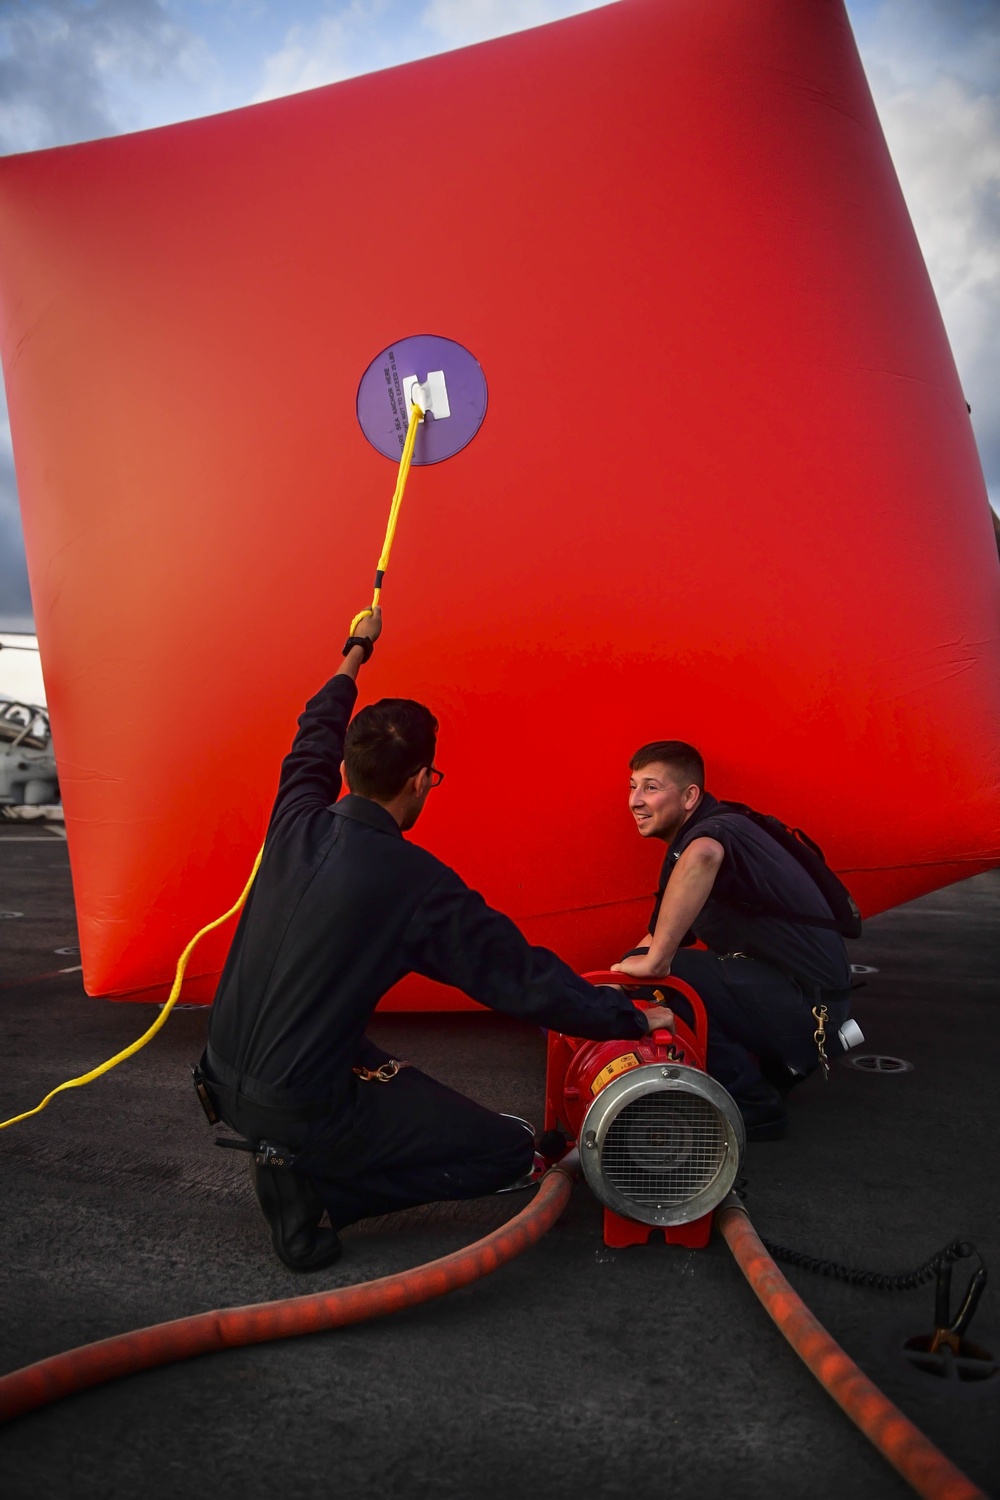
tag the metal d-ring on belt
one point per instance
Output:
(381, 1074)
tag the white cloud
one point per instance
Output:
(74, 70)
(917, 40)
(15, 600)
(935, 75)
(946, 145)
(361, 35)
(458, 22)
(355, 39)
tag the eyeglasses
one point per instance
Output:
(436, 776)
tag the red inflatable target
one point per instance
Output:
(725, 488)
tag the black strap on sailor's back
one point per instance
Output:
(846, 918)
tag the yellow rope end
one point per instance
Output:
(148, 1035)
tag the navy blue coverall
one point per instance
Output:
(342, 907)
(763, 973)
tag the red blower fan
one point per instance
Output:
(660, 1141)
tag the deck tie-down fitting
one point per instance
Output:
(947, 1329)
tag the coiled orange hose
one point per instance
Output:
(923, 1466)
(226, 1328)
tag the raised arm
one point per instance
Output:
(310, 772)
(369, 628)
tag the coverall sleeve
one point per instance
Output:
(310, 772)
(455, 938)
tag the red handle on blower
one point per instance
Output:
(629, 982)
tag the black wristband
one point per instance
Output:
(367, 646)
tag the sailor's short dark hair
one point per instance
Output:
(683, 760)
(386, 744)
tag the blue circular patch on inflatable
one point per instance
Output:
(450, 388)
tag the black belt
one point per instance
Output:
(828, 997)
(815, 992)
(262, 1096)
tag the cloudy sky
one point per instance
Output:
(71, 70)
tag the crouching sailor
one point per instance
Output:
(343, 906)
(775, 981)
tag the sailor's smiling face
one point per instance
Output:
(659, 802)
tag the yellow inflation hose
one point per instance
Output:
(147, 1036)
(416, 416)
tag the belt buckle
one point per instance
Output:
(204, 1097)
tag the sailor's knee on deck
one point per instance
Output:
(513, 1151)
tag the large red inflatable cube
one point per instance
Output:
(725, 488)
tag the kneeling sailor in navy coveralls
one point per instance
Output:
(343, 906)
(775, 949)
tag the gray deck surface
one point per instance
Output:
(575, 1371)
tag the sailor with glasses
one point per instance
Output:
(342, 908)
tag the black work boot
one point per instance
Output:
(292, 1207)
(763, 1111)
(781, 1076)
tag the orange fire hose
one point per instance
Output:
(226, 1328)
(923, 1466)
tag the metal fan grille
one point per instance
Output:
(664, 1148)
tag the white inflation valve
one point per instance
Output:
(850, 1034)
(431, 397)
